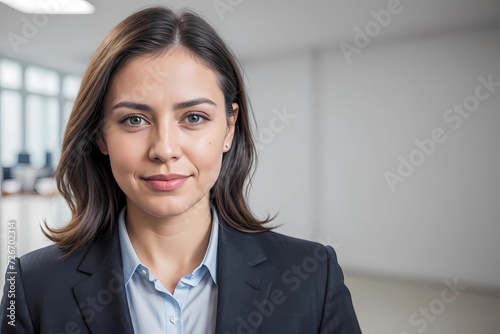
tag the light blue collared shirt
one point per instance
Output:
(153, 309)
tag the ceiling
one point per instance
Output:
(255, 29)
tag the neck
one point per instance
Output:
(178, 242)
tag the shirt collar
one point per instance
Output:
(130, 260)
(210, 259)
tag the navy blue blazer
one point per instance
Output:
(267, 283)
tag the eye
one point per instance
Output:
(134, 120)
(194, 118)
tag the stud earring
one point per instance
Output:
(227, 145)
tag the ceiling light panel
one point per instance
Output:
(53, 7)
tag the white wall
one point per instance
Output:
(280, 93)
(444, 219)
(325, 171)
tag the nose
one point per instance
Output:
(164, 144)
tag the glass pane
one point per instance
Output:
(43, 81)
(10, 74)
(10, 127)
(42, 128)
(67, 107)
(66, 112)
(71, 84)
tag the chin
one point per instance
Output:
(170, 206)
(167, 210)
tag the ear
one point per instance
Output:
(228, 140)
(102, 145)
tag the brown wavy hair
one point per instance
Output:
(84, 176)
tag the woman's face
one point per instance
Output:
(165, 131)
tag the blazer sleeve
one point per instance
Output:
(338, 312)
(14, 308)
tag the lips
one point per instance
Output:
(167, 182)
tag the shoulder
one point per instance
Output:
(42, 255)
(289, 245)
(282, 250)
(54, 260)
(47, 270)
(50, 257)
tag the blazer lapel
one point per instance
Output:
(101, 297)
(242, 279)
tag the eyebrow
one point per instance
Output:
(177, 106)
(194, 102)
(132, 105)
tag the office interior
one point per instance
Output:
(377, 129)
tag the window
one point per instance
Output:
(11, 126)
(71, 84)
(41, 127)
(39, 80)
(10, 74)
(35, 104)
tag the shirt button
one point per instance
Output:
(173, 320)
(143, 272)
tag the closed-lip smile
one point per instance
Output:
(166, 182)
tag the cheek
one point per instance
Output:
(124, 154)
(208, 159)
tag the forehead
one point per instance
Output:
(177, 73)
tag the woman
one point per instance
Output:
(155, 157)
